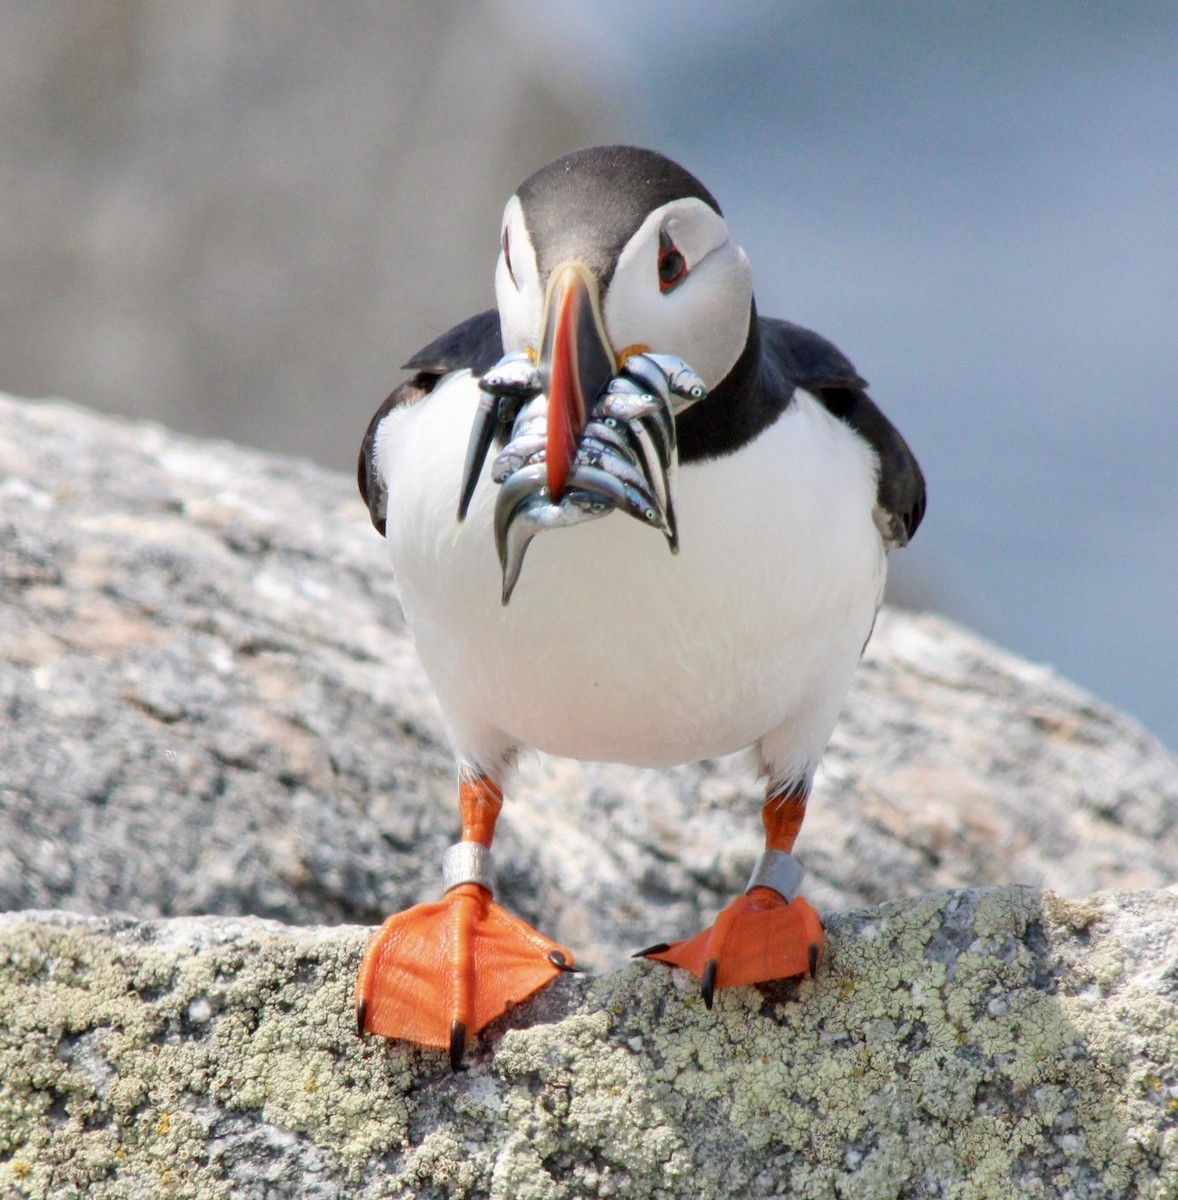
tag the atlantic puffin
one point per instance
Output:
(791, 487)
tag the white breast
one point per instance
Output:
(614, 649)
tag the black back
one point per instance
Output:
(476, 343)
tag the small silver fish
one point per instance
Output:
(667, 374)
(625, 458)
(636, 501)
(625, 469)
(532, 516)
(525, 483)
(519, 452)
(482, 434)
(532, 417)
(613, 433)
(658, 466)
(514, 375)
(649, 423)
(510, 382)
(625, 400)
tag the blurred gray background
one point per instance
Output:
(239, 219)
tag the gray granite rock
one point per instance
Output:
(209, 706)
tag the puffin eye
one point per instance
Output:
(672, 264)
(507, 256)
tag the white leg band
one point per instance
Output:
(467, 862)
(777, 870)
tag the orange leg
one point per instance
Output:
(437, 973)
(766, 933)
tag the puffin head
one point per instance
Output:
(608, 252)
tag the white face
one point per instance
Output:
(519, 294)
(702, 316)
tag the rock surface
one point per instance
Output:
(209, 706)
(202, 659)
(972, 1044)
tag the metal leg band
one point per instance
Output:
(777, 870)
(467, 862)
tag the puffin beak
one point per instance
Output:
(576, 362)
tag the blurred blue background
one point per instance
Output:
(240, 219)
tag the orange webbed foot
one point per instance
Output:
(438, 973)
(760, 936)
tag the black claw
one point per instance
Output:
(657, 948)
(813, 959)
(457, 1044)
(361, 1016)
(558, 960)
(707, 982)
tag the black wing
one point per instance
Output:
(809, 361)
(475, 344)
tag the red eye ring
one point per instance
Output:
(672, 264)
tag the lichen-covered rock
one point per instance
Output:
(973, 1044)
